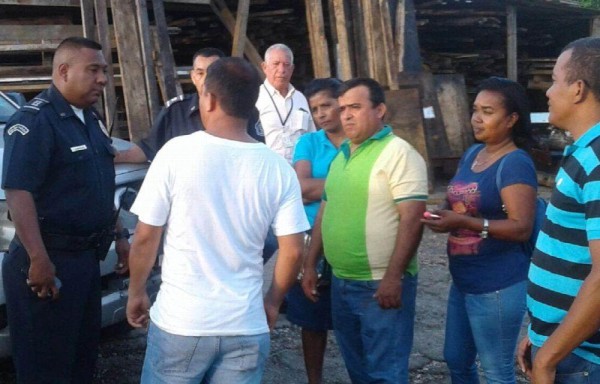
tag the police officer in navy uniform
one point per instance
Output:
(59, 178)
(180, 115)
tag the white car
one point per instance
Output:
(128, 180)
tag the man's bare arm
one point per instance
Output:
(410, 231)
(286, 270)
(23, 213)
(131, 155)
(141, 260)
(581, 321)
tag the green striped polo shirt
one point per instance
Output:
(360, 221)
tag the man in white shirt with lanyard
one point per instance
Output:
(284, 112)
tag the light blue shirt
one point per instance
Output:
(316, 148)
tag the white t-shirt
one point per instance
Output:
(217, 199)
(283, 119)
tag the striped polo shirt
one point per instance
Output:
(360, 221)
(561, 260)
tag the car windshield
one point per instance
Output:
(7, 108)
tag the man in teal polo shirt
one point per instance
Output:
(369, 227)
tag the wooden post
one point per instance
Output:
(132, 68)
(170, 87)
(147, 57)
(87, 18)
(511, 42)
(219, 7)
(400, 33)
(389, 48)
(318, 40)
(595, 26)
(110, 97)
(343, 48)
(241, 22)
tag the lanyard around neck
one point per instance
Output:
(281, 120)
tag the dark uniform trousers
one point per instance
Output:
(56, 341)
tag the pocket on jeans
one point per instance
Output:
(170, 353)
(573, 378)
(248, 355)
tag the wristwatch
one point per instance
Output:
(122, 234)
(485, 231)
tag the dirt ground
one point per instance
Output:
(122, 349)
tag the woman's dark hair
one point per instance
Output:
(330, 85)
(515, 101)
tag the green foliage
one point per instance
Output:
(590, 3)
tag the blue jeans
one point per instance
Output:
(375, 343)
(485, 325)
(574, 370)
(271, 245)
(174, 359)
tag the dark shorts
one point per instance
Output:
(306, 314)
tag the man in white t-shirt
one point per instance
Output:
(283, 110)
(215, 193)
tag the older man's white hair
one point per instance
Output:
(279, 47)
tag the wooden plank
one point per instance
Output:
(146, 45)
(404, 116)
(389, 48)
(437, 140)
(367, 19)
(241, 24)
(87, 19)
(110, 96)
(511, 42)
(34, 33)
(344, 54)
(75, 3)
(44, 47)
(318, 40)
(220, 9)
(359, 39)
(400, 33)
(132, 65)
(595, 27)
(166, 63)
(454, 106)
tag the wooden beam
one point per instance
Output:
(595, 27)
(400, 34)
(87, 19)
(344, 55)
(110, 96)
(318, 40)
(166, 64)
(75, 3)
(511, 42)
(146, 45)
(389, 48)
(241, 23)
(132, 68)
(224, 14)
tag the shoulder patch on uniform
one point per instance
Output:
(35, 104)
(174, 100)
(23, 130)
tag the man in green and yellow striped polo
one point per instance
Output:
(369, 226)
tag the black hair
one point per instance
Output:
(376, 94)
(235, 83)
(515, 100)
(584, 63)
(208, 52)
(329, 85)
(78, 42)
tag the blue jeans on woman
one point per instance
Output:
(375, 343)
(574, 370)
(485, 325)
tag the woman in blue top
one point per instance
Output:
(489, 214)
(312, 156)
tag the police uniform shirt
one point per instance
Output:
(65, 164)
(179, 117)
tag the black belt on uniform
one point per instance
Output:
(72, 243)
